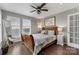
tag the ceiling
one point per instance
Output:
(24, 8)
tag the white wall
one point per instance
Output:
(37, 23)
(34, 26)
(0, 27)
(61, 18)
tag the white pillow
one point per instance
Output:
(50, 32)
(44, 32)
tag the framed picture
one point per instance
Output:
(50, 22)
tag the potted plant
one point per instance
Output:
(5, 47)
(5, 44)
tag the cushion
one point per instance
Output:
(44, 32)
(50, 32)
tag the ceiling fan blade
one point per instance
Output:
(44, 9)
(33, 7)
(32, 11)
(42, 5)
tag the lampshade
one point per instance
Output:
(39, 25)
(60, 29)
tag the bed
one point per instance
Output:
(36, 42)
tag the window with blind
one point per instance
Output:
(18, 26)
(26, 26)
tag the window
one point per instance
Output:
(19, 25)
(15, 26)
(26, 28)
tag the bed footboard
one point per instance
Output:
(28, 42)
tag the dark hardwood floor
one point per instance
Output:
(20, 49)
(59, 50)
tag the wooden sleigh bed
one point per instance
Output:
(29, 42)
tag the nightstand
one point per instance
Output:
(60, 40)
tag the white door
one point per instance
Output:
(73, 30)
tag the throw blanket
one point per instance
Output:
(41, 40)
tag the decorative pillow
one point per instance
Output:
(50, 32)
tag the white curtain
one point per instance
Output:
(4, 35)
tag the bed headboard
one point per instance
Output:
(53, 28)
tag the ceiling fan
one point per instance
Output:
(38, 9)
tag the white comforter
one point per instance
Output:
(41, 40)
